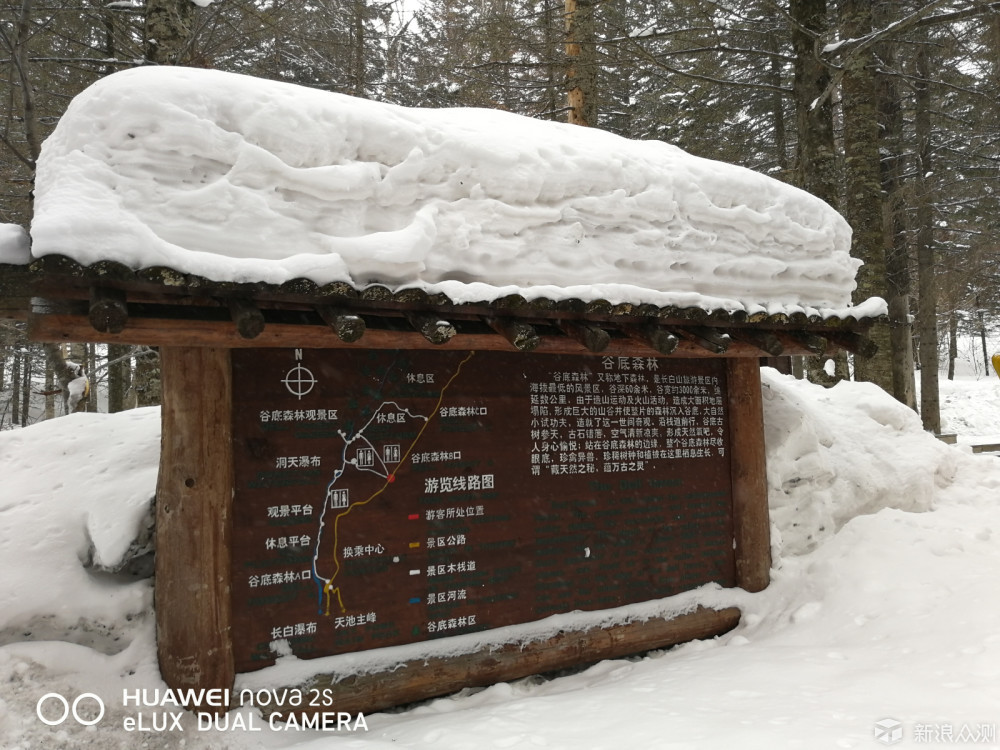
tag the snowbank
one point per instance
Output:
(15, 248)
(241, 179)
(73, 489)
(834, 454)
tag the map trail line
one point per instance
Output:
(328, 588)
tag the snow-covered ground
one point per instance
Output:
(880, 622)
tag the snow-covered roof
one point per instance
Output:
(237, 179)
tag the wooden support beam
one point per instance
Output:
(593, 337)
(816, 345)
(58, 327)
(247, 316)
(654, 336)
(108, 311)
(193, 520)
(426, 678)
(707, 338)
(521, 336)
(751, 520)
(766, 341)
(431, 327)
(348, 326)
(854, 343)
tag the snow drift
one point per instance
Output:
(241, 179)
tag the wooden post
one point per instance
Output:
(193, 505)
(751, 520)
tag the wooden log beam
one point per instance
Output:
(348, 326)
(431, 327)
(654, 336)
(247, 316)
(193, 520)
(854, 343)
(108, 311)
(426, 678)
(707, 338)
(815, 344)
(751, 520)
(521, 336)
(59, 326)
(591, 336)
(766, 341)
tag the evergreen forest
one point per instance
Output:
(889, 111)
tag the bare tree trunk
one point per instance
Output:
(20, 59)
(816, 151)
(26, 388)
(930, 399)
(894, 224)
(167, 31)
(581, 54)
(863, 207)
(91, 369)
(358, 50)
(15, 390)
(117, 365)
(147, 378)
(109, 40)
(778, 109)
(982, 338)
(50, 384)
(552, 87)
(952, 343)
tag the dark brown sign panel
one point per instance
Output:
(387, 497)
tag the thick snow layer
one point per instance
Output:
(242, 179)
(881, 605)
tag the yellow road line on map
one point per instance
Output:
(336, 521)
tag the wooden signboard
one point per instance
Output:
(387, 497)
(344, 500)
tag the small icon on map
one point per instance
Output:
(337, 498)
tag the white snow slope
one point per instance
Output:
(14, 244)
(880, 625)
(242, 179)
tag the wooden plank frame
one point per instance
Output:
(194, 497)
(208, 333)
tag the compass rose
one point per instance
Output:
(299, 381)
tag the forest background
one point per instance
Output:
(889, 111)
